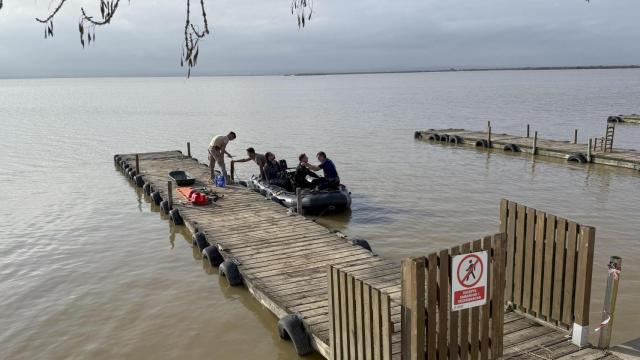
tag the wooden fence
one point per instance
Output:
(429, 325)
(549, 265)
(359, 318)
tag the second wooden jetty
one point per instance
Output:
(591, 152)
(342, 300)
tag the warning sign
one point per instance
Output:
(469, 280)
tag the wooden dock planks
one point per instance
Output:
(284, 260)
(625, 158)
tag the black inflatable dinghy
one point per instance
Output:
(182, 178)
(313, 201)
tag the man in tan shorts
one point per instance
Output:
(217, 150)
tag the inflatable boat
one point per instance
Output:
(313, 201)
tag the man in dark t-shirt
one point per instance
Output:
(331, 178)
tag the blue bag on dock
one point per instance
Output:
(220, 181)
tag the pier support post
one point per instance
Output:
(137, 164)
(535, 143)
(575, 136)
(299, 201)
(189, 149)
(413, 310)
(170, 194)
(589, 150)
(610, 297)
(527, 131)
(233, 170)
(489, 136)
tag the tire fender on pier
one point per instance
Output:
(165, 207)
(139, 180)
(578, 157)
(455, 139)
(417, 135)
(292, 328)
(511, 147)
(444, 138)
(212, 255)
(156, 197)
(176, 218)
(146, 189)
(362, 243)
(199, 240)
(230, 271)
(434, 137)
(482, 143)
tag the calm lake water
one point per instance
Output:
(87, 270)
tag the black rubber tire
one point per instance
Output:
(455, 139)
(175, 217)
(116, 159)
(511, 147)
(362, 243)
(243, 183)
(578, 158)
(444, 138)
(230, 271)
(434, 137)
(146, 189)
(292, 328)
(199, 240)
(482, 143)
(212, 255)
(132, 173)
(164, 206)
(417, 135)
(139, 180)
(156, 197)
(614, 119)
(276, 200)
(125, 167)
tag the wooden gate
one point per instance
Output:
(359, 318)
(430, 329)
(549, 265)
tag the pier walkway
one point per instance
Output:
(283, 259)
(626, 158)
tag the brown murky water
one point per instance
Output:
(88, 270)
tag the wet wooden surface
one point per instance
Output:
(284, 259)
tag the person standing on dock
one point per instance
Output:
(259, 159)
(331, 178)
(217, 150)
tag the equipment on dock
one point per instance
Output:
(200, 197)
(313, 201)
(182, 178)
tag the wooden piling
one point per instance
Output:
(137, 164)
(489, 136)
(188, 149)
(527, 130)
(233, 170)
(170, 193)
(413, 299)
(610, 297)
(535, 143)
(589, 150)
(575, 136)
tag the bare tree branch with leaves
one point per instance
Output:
(194, 33)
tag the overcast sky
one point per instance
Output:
(261, 36)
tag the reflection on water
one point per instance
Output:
(86, 268)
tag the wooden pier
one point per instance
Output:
(629, 119)
(353, 304)
(532, 144)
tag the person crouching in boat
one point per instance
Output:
(301, 174)
(217, 150)
(331, 180)
(259, 159)
(274, 173)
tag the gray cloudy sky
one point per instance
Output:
(261, 36)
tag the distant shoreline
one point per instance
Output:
(597, 67)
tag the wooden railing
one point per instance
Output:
(549, 265)
(359, 318)
(430, 329)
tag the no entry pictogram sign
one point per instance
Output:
(469, 280)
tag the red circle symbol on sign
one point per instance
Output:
(470, 270)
